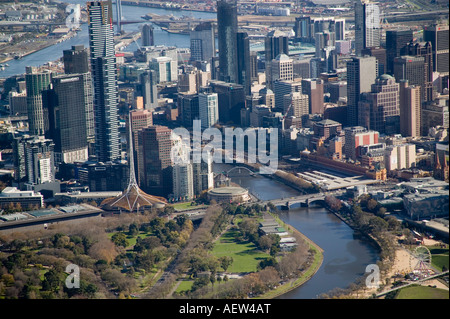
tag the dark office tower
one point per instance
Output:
(253, 66)
(36, 83)
(155, 174)
(227, 27)
(203, 43)
(367, 25)
(361, 74)
(67, 117)
(339, 29)
(380, 54)
(147, 35)
(424, 49)
(275, 43)
(231, 99)
(243, 47)
(302, 29)
(438, 36)
(188, 108)
(104, 74)
(149, 89)
(396, 40)
(412, 69)
(76, 60)
(379, 109)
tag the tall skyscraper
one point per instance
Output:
(410, 117)
(139, 119)
(76, 60)
(243, 48)
(275, 43)
(438, 35)
(361, 74)
(183, 181)
(118, 16)
(227, 27)
(188, 108)
(379, 109)
(104, 74)
(36, 83)
(149, 89)
(203, 175)
(66, 105)
(339, 29)
(147, 35)
(203, 44)
(208, 109)
(412, 69)
(155, 174)
(314, 88)
(302, 28)
(367, 25)
(396, 40)
(281, 69)
(34, 159)
(423, 49)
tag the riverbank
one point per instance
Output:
(306, 275)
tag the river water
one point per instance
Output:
(345, 255)
(130, 13)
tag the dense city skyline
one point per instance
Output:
(344, 106)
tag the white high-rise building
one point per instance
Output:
(282, 68)
(367, 25)
(203, 175)
(183, 181)
(208, 109)
(165, 67)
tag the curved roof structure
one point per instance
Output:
(133, 197)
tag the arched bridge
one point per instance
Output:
(303, 200)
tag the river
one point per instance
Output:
(345, 255)
(130, 13)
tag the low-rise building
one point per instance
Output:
(26, 199)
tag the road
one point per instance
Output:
(412, 283)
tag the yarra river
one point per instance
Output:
(345, 255)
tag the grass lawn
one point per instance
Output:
(422, 292)
(185, 285)
(245, 255)
(439, 257)
(186, 206)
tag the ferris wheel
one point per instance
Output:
(420, 262)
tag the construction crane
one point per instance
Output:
(285, 115)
